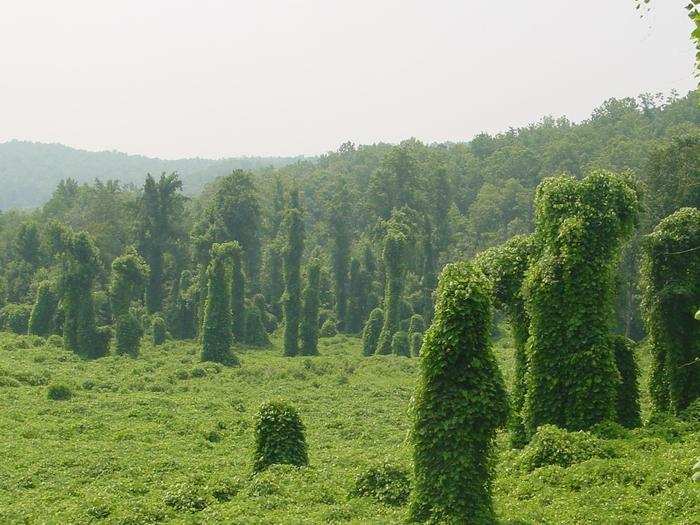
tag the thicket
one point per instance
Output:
(670, 298)
(460, 403)
(572, 379)
(279, 436)
(399, 344)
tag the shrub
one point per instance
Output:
(329, 328)
(15, 317)
(384, 483)
(399, 344)
(415, 342)
(552, 445)
(158, 330)
(279, 436)
(569, 291)
(370, 334)
(460, 403)
(59, 392)
(628, 411)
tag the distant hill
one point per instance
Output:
(30, 171)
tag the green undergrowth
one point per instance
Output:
(165, 438)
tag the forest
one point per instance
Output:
(500, 330)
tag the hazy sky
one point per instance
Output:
(212, 78)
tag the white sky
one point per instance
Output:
(213, 78)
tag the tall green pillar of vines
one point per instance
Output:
(670, 299)
(293, 251)
(394, 252)
(460, 403)
(572, 378)
(129, 277)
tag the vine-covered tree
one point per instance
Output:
(393, 254)
(216, 326)
(505, 266)
(670, 298)
(80, 263)
(160, 220)
(339, 220)
(238, 312)
(460, 403)
(129, 275)
(274, 276)
(569, 294)
(293, 251)
(308, 329)
(234, 214)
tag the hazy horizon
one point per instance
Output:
(226, 79)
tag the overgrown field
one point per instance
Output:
(166, 438)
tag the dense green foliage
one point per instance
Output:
(370, 334)
(460, 402)
(384, 483)
(41, 320)
(393, 254)
(129, 276)
(237, 301)
(159, 330)
(671, 294)
(160, 230)
(400, 345)
(216, 326)
(79, 267)
(293, 251)
(255, 332)
(569, 292)
(308, 328)
(279, 436)
(129, 419)
(627, 409)
(505, 266)
(15, 318)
